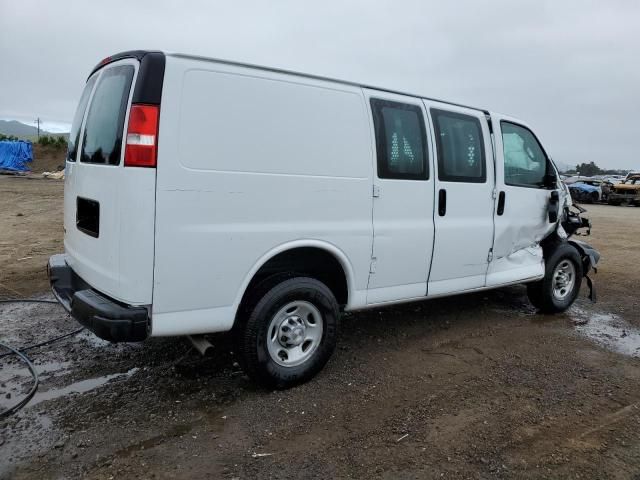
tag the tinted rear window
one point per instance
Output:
(460, 147)
(74, 136)
(102, 140)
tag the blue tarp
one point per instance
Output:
(15, 154)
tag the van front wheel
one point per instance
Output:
(560, 286)
(290, 332)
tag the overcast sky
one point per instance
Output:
(569, 68)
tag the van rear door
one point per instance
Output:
(403, 198)
(109, 208)
(463, 214)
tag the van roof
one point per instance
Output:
(139, 54)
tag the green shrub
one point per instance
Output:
(61, 142)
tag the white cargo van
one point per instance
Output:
(203, 196)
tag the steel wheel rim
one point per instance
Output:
(564, 278)
(294, 333)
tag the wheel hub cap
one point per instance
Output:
(564, 278)
(294, 333)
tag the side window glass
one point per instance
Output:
(102, 138)
(525, 163)
(460, 147)
(74, 135)
(400, 140)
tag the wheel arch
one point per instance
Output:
(300, 246)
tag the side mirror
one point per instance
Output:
(550, 181)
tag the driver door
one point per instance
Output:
(521, 216)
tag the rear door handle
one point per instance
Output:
(501, 199)
(442, 202)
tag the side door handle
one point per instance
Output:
(442, 202)
(501, 199)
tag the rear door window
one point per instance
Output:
(460, 147)
(400, 140)
(102, 139)
(74, 135)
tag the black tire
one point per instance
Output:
(594, 198)
(261, 309)
(541, 293)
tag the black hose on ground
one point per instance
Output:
(14, 408)
(12, 351)
(46, 342)
(27, 300)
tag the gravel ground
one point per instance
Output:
(475, 386)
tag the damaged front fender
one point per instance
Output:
(590, 258)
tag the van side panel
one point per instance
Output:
(250, 160)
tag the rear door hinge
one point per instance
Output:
(372, 268)
(375, 191)
(494, 193)
(490, 255)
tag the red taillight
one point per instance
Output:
(142, 136)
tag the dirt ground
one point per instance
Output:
(30, 230)
(47, 158)
(475, 386)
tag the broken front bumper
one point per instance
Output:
(107, 318)
(590, 258)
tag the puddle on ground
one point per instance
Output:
(44, 369)
(16, 380)
(82, 386)
(607, 329)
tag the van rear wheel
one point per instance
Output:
(560, 286)
(290, 332)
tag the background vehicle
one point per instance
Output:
(614, 179)
(203, 196)
(582, 192)
(627, 192)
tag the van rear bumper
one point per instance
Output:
(107, 318)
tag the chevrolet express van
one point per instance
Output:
(205, 196)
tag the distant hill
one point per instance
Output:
(23, 131)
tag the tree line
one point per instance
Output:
(590, 169)
(53, 141)
(44, 140)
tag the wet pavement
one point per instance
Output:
(102, 406)
(475, 386)
(608, 330)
